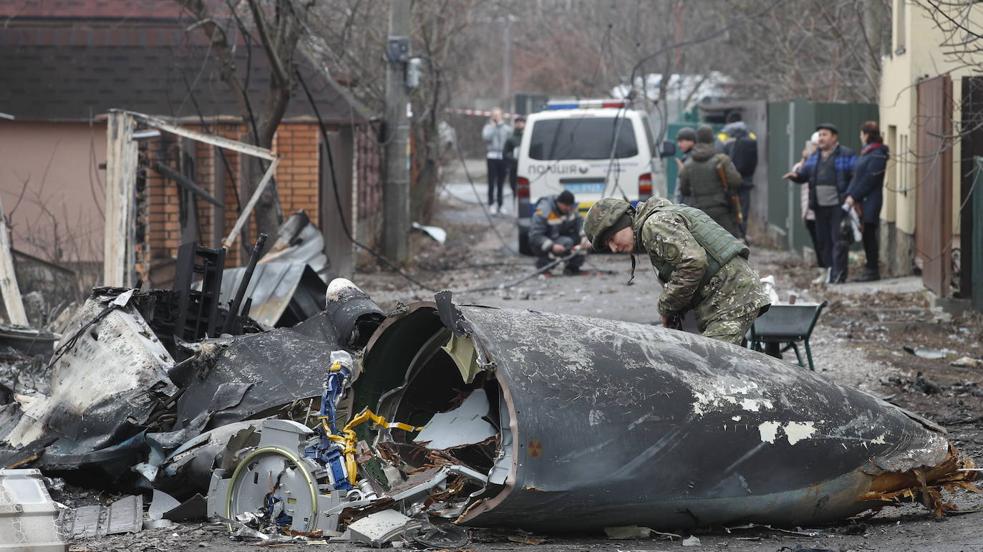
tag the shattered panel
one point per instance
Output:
(109, 379)
(615, 424)
(272, 369)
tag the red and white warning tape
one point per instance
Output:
(478, 113)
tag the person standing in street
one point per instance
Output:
(685, 140)
(808, 215)
(495, 133)
(866, 190)
(742, 147)
(708, 178)
(512, 146)
(828, 173)
(702, 267)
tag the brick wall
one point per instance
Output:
(296, 178)
(368, 185)
(297, 174)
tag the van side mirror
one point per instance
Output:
(668, 149)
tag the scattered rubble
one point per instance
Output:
(380, 429)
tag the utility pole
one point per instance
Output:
(396, 190)
(507, 64)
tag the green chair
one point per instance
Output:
(783, 327)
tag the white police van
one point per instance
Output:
(594, 148)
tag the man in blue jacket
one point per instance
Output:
(866, 190)
(828, 173)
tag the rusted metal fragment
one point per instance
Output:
(613, 423)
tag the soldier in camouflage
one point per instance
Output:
(702, 267)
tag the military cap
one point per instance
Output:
(686, 133)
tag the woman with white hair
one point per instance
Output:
(808, 215)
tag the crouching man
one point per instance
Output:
(557, 231)
(701, 266)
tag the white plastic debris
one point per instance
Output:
(28, 516)
(379, 528)
(691, 541)
(438, 234)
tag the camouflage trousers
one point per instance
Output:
(731, 329)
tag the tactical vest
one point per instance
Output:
(720, 245)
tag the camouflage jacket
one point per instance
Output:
(734, 290)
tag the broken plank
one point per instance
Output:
(185, 183)
(248, 209)
(246, 149)
(121, 175)
(12, 300)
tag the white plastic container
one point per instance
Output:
(28, 516)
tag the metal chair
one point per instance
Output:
(783, 327)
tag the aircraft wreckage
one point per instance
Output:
(548, 422)
(487, 417)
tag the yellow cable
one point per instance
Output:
(348, 439)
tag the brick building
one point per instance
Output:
(65, 63)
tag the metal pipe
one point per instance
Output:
(244, 283)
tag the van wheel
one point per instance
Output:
(524, 248)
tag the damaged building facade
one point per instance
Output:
(66, 64)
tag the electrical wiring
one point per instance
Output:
(381, 258)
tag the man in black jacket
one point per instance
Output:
(740, 144)
(511, 150)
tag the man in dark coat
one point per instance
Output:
(557, 230)
(707, 179)
(511, 151)
(866, 190)
(742, 146)
(828, 173)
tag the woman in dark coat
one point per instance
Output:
(867, 190)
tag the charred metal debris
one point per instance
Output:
(355, 425)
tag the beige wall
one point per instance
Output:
(59, 214)
(916, 54)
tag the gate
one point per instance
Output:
(933, 159)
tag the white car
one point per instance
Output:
(594, 148)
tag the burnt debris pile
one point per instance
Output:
(324, 418)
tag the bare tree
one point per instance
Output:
(961, 24)
(276, 28)
(821, 50)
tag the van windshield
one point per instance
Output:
(583, 138)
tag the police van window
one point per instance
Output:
(559, 139)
